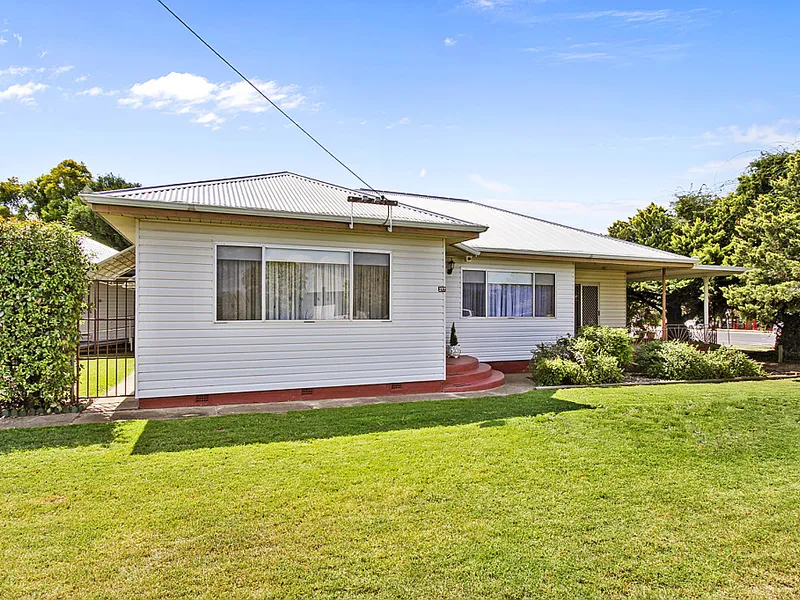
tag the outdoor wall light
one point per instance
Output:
(451, 264)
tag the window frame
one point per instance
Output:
(532, 273)
(350, 251)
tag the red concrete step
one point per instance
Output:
(495, 379)
(481, 371)
(462, 364)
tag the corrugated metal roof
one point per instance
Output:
(280, 193)
(515, 233)
(95, 251)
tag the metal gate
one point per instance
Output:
(105, 352)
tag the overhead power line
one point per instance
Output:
(263, 95)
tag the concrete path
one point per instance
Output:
(127, 408)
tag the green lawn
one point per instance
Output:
(689, 491)
(98, 375)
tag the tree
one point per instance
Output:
(83, 218)
(768, 240)
(687, 227)
(53, 196)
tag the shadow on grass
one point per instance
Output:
(263, 428)
(68, 436)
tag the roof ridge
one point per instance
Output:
(511, 212)
(197, 182)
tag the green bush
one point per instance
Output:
(728, 362)
(610, 340)
(44, 277)
(591, 357)
(604, 368)
(679, 361)
(559, 371)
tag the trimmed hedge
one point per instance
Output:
(44, 277)
(679, 361)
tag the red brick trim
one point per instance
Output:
(322, 393)
(510, 366)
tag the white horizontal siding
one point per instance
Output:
(182, 351)
(613, 289)
(501, 339)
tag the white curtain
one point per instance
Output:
(545, 295)
(510, 300)
(238, 284)
(307, 291)
(370, 285)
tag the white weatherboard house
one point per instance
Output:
(276, 287)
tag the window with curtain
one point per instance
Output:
(545, 292)
(510, 294)
(238, 283)
(370, 285)
(307, 285)
(473, 293)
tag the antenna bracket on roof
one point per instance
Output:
(364, 199)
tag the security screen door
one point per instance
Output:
(587, 305)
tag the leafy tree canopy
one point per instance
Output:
(53, 196)
(756, 225)
(768, 240)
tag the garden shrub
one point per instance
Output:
(678, 360)
(610, 340)
(44, 278)
(595, 355)
(604, 368)
(559, 371)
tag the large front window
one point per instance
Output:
(507, 294)
(301, 284)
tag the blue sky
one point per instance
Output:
(578, 112)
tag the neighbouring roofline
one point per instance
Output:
(677, 257)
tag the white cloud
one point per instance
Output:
(448, 41)
(738, 163)
(244, 127)
(3, 41)
(209, 119)
(183, 88)
(364, 122)
(43, 53)
(403, 121)
(781, 132)
(80, 79)
(18, 37)
(97, 91)
(22, 92)
(206, 101)
(64, 69)
(423, 172)
(579, 56)
(494, 186)
(242, 96)
(13, 71)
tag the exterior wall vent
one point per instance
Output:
(397, 386)
(306, 392)
(201, 398)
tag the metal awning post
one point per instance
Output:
(664, 304)
(706, 310)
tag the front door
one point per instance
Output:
(587, 305)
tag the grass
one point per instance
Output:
(98, 375)
(687, 491)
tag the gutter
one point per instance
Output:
(686, 262)
(93, 199)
